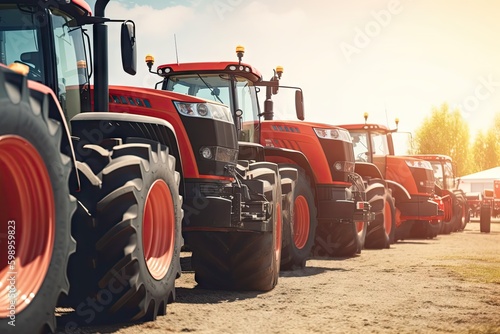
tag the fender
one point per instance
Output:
(94, 127)
(250, 151)
(368, 170)
(282, 172)
(287, 156)
(459, 193)
(399, 192)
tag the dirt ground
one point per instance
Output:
(416, 286)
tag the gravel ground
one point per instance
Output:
(416, 286)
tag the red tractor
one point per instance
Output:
(408, 182)
(327, 197)
(116, 196)
(446, 186)
(232, 197)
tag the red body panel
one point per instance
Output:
(397, 170)
(302, 139)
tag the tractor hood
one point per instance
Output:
(199, 124)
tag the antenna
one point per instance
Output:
(176, 53)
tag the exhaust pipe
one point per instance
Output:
(101, 78)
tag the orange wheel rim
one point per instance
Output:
(398, 218)
(27, 214)
(359, 227)
(158, 235)
(388, 218)
(300, 222)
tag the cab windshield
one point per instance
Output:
(450, 177)
(443, 174)
(368, 150)
(61, 65)
(237, 92)
(21, 40)
(438, 173)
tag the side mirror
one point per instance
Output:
(128, 47)
(299, 104)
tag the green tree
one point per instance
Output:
(446, 132)
(486, 147)
(496, 131)
(478, 149)
(491, 150)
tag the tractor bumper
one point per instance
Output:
(420, 208)
(220, 208)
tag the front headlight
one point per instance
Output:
(205, 110)
(333, 134)
(218, 153)
(419, 164)
(344, 166)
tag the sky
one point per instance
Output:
(390, 58)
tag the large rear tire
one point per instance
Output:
(300, 228)
(128, 254)
(35, 211)
(241, 260)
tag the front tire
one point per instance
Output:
(381, 231)
(485, 219)
(300, 229)
(339, 239)
(242, 260)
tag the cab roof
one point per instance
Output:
(83, 5)
(242, 69)
(433, 157)
(363, 126)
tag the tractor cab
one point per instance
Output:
(443, 167)
(234, 84)
(371, 143)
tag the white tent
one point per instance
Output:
(479, 181)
